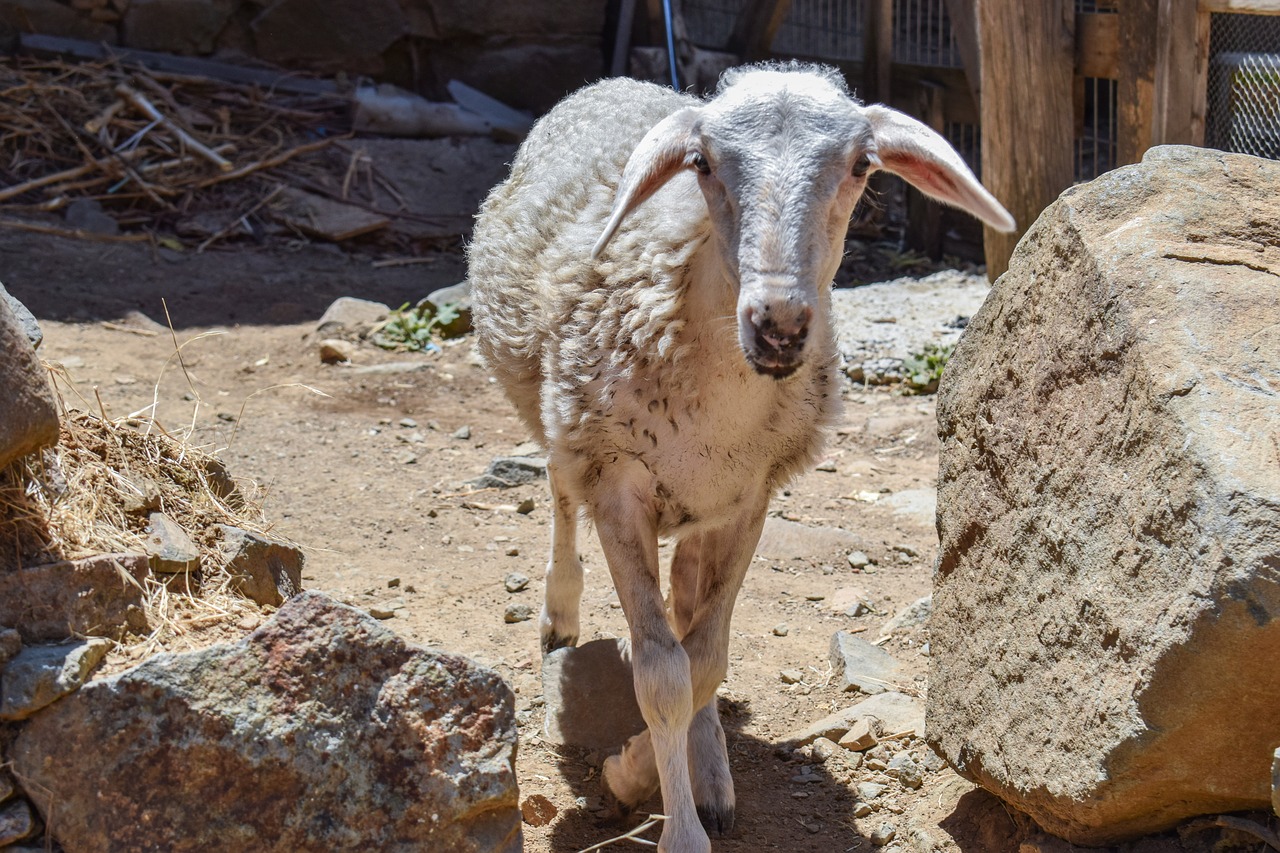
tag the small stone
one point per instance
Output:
(263, 570)
(814, 596)
(824, 748)
(906, 550)
(826, 465)
(513, 552)
(861, 736)
(859, 560)
(876, 764)
(382, 612)
(10, 645)
(868, 791)
(505, 472)
(812, 826)
(537, 810)
(16, 822)
(335, 351)
(514, 582)
(349, 317)
(86, 214)
(462, 433)
(517, 613)
(40, 675)
(862, 665)
(883, 834)
(407, 458)
(932, 762)
(526, 506)
(408, 423)
(791, 676)
(781, 629)
(904, 768)
(169, 548)
(393, 583)
(861, 809)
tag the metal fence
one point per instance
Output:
(1244, 84)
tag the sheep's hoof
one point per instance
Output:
(615, 808)
(716, 820)
(551, 642)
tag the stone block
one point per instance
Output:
(29, 416)
(94, 596)
(1106, 619)
(590, 695)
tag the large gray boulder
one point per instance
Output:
(28, 415)
(320, 731)
(1106, 614)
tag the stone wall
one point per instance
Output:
(528, 53)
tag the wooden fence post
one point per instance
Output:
(1028, 130)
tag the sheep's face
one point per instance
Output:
(782, 160)
(782, 155)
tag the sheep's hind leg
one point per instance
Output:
(708, 755)
(559, 625)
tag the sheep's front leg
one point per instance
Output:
(706, 574)
(626, 522)
(559, 624)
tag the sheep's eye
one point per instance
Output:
(861, 166)
(700, 163)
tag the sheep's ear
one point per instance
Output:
(928, 162)
(658, 157)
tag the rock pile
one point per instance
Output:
(363, 741)
(1109, 507)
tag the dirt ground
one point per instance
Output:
(386, 519)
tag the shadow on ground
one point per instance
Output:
(80, 281)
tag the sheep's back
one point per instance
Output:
(529, 261)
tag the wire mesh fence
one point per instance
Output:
(1244, 84)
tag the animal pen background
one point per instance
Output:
(1234, 97)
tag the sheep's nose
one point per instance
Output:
(779, 329)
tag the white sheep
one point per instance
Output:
(651, 289)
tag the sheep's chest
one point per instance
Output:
(707, 442)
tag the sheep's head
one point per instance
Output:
(782, 154)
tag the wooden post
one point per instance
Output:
(1027, 54)
(1136, 85)
(964, 24)
(1181, 74)
(877, 51)
(756, 27)
(924, 215)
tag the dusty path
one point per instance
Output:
(379, 503)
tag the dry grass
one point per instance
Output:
(93, 493)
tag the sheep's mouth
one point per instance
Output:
(779, 366)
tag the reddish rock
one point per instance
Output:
(320, 731)
(96, 596)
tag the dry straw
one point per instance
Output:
(93, 493)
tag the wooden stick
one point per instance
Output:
(75, 233)
(148, 109)
(408, 262)
(44, 180)
(269, 163)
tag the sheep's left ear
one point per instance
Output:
(929, 163)
(658, 157)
